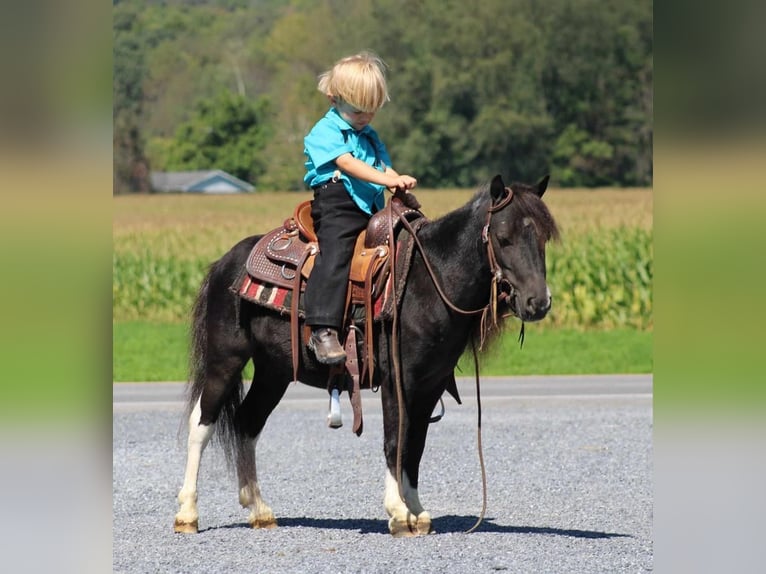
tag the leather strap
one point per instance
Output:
(369, 342)
(354, 393)
(394, 352)
(295, 338)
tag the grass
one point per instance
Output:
(149, 351)
(158, 352)
(566, 352)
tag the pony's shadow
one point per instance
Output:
(449, 524)
(452, 524)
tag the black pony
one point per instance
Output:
(487, 255)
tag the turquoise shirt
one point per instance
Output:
(330, 138)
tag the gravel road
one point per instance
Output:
(569, 467)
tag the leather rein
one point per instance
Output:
(489, 309)
(495, 270)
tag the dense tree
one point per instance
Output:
(131, 169)
(597, 84)
(227, 132)
(497, 86)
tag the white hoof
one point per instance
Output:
(185, 527)
(410, 525)
(265, 521)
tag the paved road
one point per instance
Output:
(569, 480)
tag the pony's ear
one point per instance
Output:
(542, 185)
(497, 188)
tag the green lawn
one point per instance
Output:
(158, 352)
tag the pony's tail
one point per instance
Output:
(225, 428)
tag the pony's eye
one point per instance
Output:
(529, 225)
(503, 237)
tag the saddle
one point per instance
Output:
(279, 264)
(283, 253)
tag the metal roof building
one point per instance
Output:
(204, 181)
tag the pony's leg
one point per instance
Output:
(407, 515)
(199, 435)
(251, 418)
(261, 515)
(220, 384)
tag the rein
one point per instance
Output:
(490, 308)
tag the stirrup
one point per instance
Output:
(334, 418)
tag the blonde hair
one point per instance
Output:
(358, 80)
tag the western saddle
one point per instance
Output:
(284, 257)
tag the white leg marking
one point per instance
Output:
(199, 436)
(334, 418)
(393, 503)
(261, 515)
(407, 516)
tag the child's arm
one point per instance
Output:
(354, 167)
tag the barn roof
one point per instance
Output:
(201, 181)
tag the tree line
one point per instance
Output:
(517, 87)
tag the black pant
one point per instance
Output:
(337, 222)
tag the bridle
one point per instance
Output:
(489, 311)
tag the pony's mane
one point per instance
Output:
(525, 202)
(530, 205)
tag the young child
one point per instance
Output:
(348, 168)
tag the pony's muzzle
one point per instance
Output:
(537, 308)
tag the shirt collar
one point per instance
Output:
(333, 115)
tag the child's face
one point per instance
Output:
(356, 118)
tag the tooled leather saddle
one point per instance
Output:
(280, 262)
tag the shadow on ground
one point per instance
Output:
(442, 525)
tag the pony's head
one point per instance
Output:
(520, 225)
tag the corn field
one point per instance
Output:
(600, 273)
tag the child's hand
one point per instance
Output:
(403, 182)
